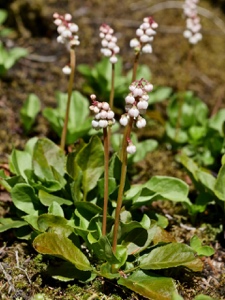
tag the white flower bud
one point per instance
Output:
(141, 123)
(134, 43)
(73, 27)
(103, 114)
(66, 33)
(147, 48)
(103, 123)
(95, 124)
(96, 110)
(148, 87)
(105, 105)
(139, 32)
(145, 97)
(124, 120)
(142, 105)
(108, 37)
(131, 149)
(58, 22)
(61, 28)
(133, 112)
(113, 59)
(66, 70)
(116, 49)
(144, 38)
(130, 99)
(110, 115)
(104, 43)
(60, 39)
(101, 35)
(137, 92)
(150, 31)
(68, 17)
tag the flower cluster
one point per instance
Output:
(193, 26)
(104, 116)
(145, 35)
(109, 46)
(66, 30)
(136, 105)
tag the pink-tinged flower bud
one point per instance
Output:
(68, 17)
(137, 92)
(103, 114)
(145, 97)
(103, 123)
(133, 112)
(73, 27)
(113, 59)
(105, 105)
(130, 99)
(131, 149)
(124, 120)
(96, 110)
(66, 70)
(105, 43)
(93, 97)
(141, 123)
(148, 87)
(142, 105)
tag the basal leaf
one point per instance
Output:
(8, 223)
(150, 286)
(219, 185)
(60, 246)
(91, 161)
(168, 256)
(24, 198)
(47, 199)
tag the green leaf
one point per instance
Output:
(170, 188)
(203, 297)
(8, 223)
(219, 185)
(217, 121)
(54, 223)
(91, 161)
(149, 286)
(62, 247)
(67, 272)
(168, 256)
(56, 209)
(24, 198)
(47, 199)
(48, 161)
(19, 162)
(160, 94)
(3, 16)
(29, 111)
(143, 148)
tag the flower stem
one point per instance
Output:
(135, 66)
(122, 183)
(70, 88)
(111, 98)
(106, 179)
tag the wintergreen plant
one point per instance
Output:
(199, 136)
(81, 207)
(67, 35)
(79, 122)
(193, 26)
(109, 49)
(29, 111)
(8, 58)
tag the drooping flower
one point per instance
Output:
(145, 35)
(193, 26)
(104, 116)
(109, 43)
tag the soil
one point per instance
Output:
(22, 271)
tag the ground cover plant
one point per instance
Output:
(82, 206)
